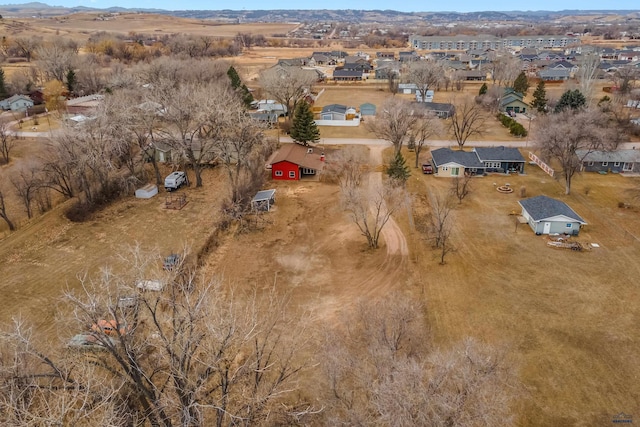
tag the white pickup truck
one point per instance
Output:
(175, 180)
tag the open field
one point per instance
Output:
(81, 25)
(568, 319)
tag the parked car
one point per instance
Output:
(427, 168)
(175, 180)
(511, 113)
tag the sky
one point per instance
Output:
(404, 6)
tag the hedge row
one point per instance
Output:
(515, 128)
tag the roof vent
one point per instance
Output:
(309, 150)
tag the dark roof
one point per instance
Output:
(347, 73)
(629, 156)
(334, 108)
(509, 154)
(438, 106)
(468, 159)
(543, 207)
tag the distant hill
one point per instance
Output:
(346, 15)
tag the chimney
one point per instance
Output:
(322, 157)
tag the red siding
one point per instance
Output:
(285, 167)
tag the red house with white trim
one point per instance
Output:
(294, 161)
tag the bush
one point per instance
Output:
(515, 128)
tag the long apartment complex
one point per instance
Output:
(490, 42)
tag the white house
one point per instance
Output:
(16, 103)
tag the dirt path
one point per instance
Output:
(392, 234)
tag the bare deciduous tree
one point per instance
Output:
(26, 181)
(590, 130)
(288, 85)
(505, 68)
(194, 354)
(7, 142)
(380, 370)
(425, 75)
(467, 120)
(3, 208)
(394, 121)
(461, 187)
(440, 224)
(55, 58)
(425, 128)
(347, 167)
(27, 46)
(371, 208)
(587, 73)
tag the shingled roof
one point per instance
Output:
(299, 155)
(543, 207)
(468, 159)
(497, 154)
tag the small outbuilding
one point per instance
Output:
(263, 200)
(550, 216)
(147, 192)
(367, 109)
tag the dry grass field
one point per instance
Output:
(567, 319)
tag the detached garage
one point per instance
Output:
(550, 216)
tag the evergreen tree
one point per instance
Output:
(304, 128)
(3, 88)
(540, 98)
(398, 169)
(573, 99)
(240, 88)
(483, 89)
(521, 83)
(71, 81)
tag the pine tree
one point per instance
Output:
(521, 83)
(240, 88)
(71, 80)
(304, 128)
(573, 99)
(483, 89)
(398, 169)
(3, 88)
(540, 98)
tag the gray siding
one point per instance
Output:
(556, 227)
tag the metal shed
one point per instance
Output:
(263, 200)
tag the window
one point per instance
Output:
(590, 164)
(605, 163)
(616, 164)
(292, 174)
(455, 171)
(278, 173)
(492, 164)
(445, 168)
(307, 171)
(569, 225)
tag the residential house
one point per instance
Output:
(513, 101)
(454, 163)
(618, 161)
(473, 75)
(321, 59)
(408, 56)
(428, 96)
(364, 67)
(386, 55)
(563, 65)
(17, 103)
(407, 88)
(383, 71)
(347, 75)
(500, 159)
(442, 110)
(550, 216)
(337, 112)
(554, 75)
(355, 60)
(294, 161)
(628, 55)
(271, 106)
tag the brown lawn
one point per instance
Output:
(567, 318)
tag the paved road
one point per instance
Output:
(441, 143)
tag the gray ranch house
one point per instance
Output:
(501, 159)
(453, 163)
(17, 103)
(619, 161)
(550, 216)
